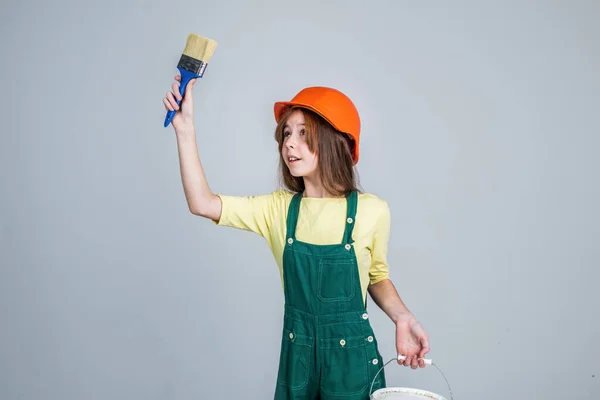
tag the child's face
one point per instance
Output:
(295, 151)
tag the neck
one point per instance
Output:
(314, 188)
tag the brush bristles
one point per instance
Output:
(199, 47)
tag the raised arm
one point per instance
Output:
(200, 199)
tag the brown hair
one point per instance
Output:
(333, 148)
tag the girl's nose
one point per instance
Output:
(291, 141)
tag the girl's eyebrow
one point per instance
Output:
(288, 126)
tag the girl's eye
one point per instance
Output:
(302, 132)
(286, 134)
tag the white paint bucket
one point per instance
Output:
(404, 393)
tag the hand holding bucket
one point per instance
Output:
(412, 342)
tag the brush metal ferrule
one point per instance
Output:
(192, 64)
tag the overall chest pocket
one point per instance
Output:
(337, 279)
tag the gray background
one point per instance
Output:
(480, 128)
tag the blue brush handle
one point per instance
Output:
(186, 77)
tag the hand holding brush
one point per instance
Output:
(182, 106)
(192, 64)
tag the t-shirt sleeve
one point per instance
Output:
(249, 213)
(379, 269)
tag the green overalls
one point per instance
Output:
(328, 349)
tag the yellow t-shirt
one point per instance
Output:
(320, 221)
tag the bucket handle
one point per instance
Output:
(394, 359)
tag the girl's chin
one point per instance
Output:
(295, 173)
(298, 172)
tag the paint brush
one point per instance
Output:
(195, 57)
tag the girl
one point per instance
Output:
(329, 240)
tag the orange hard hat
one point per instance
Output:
(331, 104)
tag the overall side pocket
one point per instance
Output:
(345, 366)
(294, 360)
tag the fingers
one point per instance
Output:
(422, 353)
(424, 346)
(172, 98)
(170, 101)
(405, 361)
(413, 361)
(175, 89)
(414, 364)
(167, 104)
